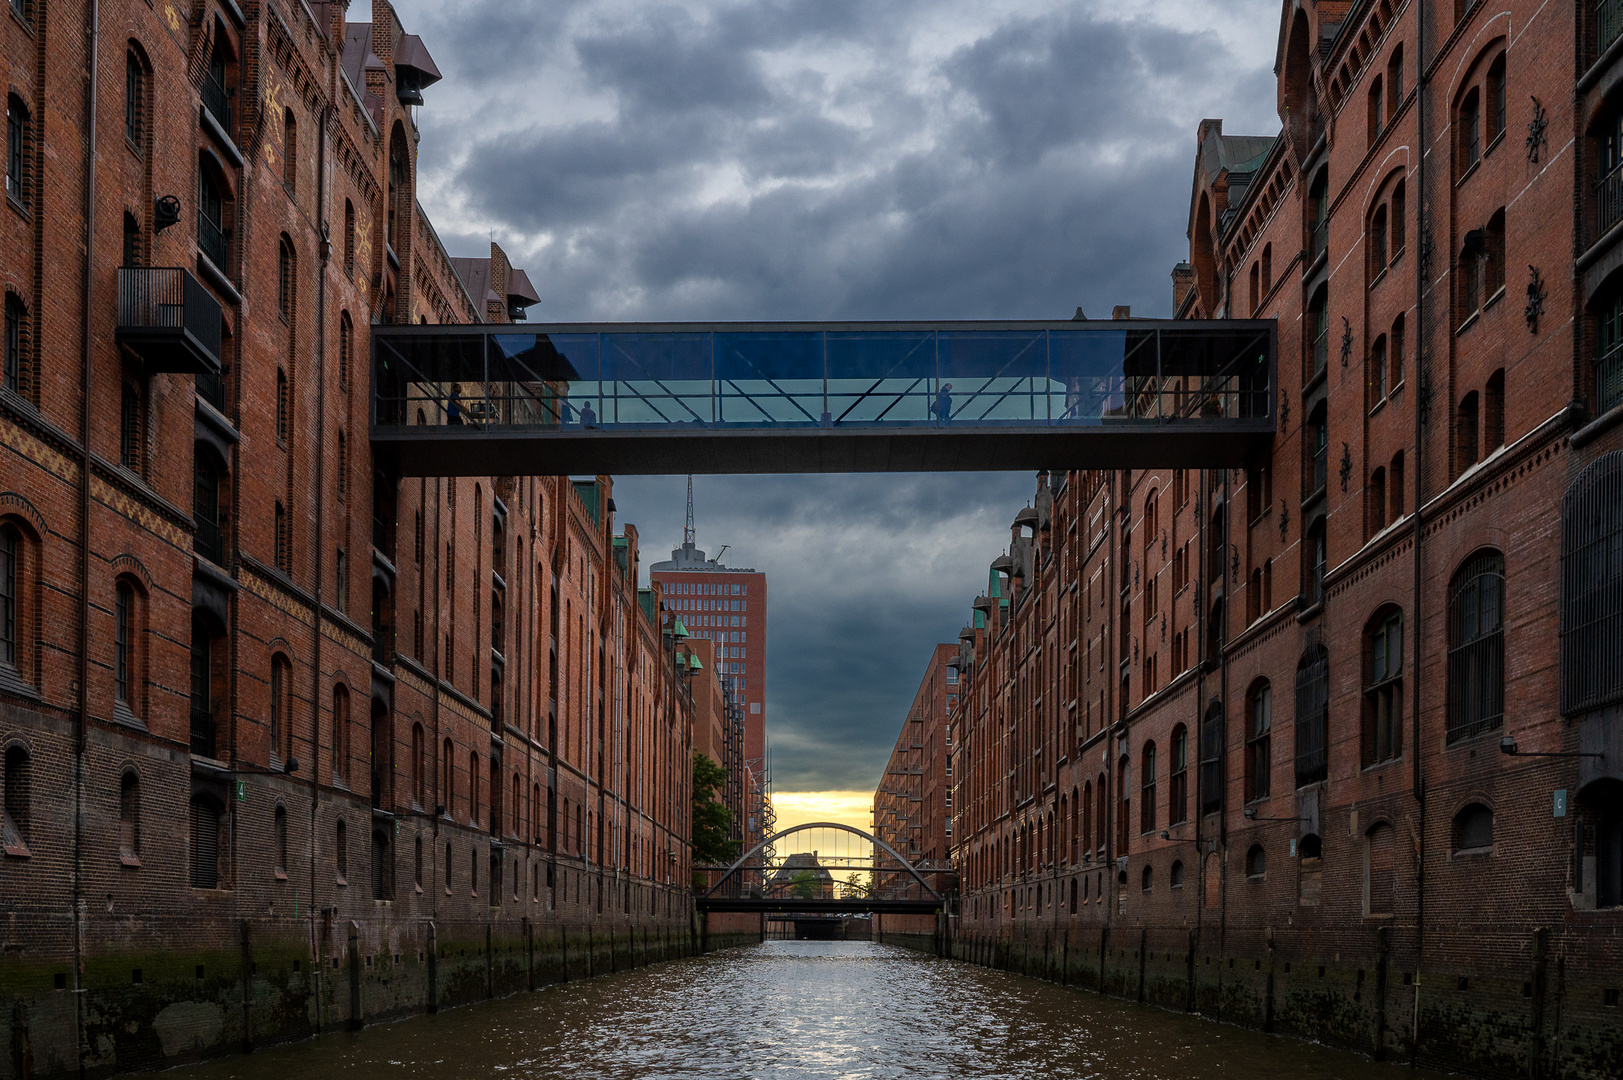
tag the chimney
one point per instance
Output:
(1121, 311)
(1183, 282)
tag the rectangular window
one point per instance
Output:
(14, 344)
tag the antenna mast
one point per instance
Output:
(687, 530)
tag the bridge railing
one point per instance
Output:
(859, 375)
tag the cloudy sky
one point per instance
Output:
(835, 159)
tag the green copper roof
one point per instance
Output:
(678, 630)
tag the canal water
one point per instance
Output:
(793, 1009)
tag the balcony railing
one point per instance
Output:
(1609, 380)
(203, 733)
(1608, 199)
(169, 318)
(217, 102)
(1608, 24)
(214, 241)
(211, 388)
(208, 541)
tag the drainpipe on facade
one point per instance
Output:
(1422, 271)
(321, 474)
(81, 720)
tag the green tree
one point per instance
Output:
(854, 886)
(710, 818)
(805, 885)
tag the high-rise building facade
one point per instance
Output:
(726, 606)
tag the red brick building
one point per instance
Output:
(1232, 740)
(279, 726)
(912, 806)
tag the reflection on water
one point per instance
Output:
(789, 1009)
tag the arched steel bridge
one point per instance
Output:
(632, 398)
(804, 883)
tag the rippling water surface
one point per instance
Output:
(788, 1009)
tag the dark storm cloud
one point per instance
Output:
(787, 159)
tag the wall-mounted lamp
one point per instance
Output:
(1507, 746)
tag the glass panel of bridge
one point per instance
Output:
(1086, 376)
(657, 380)
(770, 378)
(881, 377)
(542, 380)
(1216, 373)
(415, 377)
(992, 377)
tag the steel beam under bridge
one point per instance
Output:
(800, 906)
(632, 398)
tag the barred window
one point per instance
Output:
(1383, 689)
(1592, 587)
(123, 640)
(1476, 647)
(349, 237)
(11, 551)
(16, 320)
(134, 99)
(1312, 717)
(207, 821)
(17, 133)
(1146, 808)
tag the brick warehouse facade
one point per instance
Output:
(288, 743)
(1230, 741)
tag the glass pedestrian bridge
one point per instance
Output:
(631, 398)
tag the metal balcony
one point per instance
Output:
(822, 397)
(167, 317)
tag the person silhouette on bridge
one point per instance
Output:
(943, 403)
(453, 405)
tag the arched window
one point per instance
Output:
(18, 146)
(1147, 879)
(349, 238)
(290, 151)
(1493, 258)
(473, 788)
(287, 282)
(16, 347)
(1493, 413)
(1318, 206)
(1592, 587)
(282, 408)
(1473, 829)
(1087, 822)
(129, 818)
(1256, 862)
(346, 348)
(1470, 274)
(1317, 448)
(1394, 81)
(340, 734)
(1380, 869)
(419, 767)
(1466, 419)
(1377, 242)
(1211, 760)
(1394, 352)
(1394, 487)
(1100, 813)
(1377, 368)
(1175, 875)
(19, 791)
(1146, 789)
(1316, 557)
(124, 645)
(1312, 717)
(1377, 108)
(12, 553)
(447, 804)
(1267, 271)
(1476, 646)
(1396, 225)
(281, 712)
(1376, 501)
(1468, 131)
(382, 866)
(1258, 740)
(279, 840)
(341, 852)
(1178, 793)
(1124, 803)
(1318, 329)
(135, 103)
(1495, 99)
(207, 850)
(450, 868)
(132, 241)
(1383, 687)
